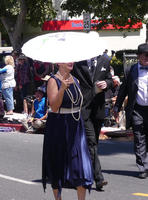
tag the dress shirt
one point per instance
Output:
(92, 63)
(142, 93)
(89, 64)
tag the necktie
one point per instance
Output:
(93, 65)
(92, 69)
(144, 67)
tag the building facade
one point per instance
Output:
(115, 39)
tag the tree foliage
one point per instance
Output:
(14, 14)
(117, 12)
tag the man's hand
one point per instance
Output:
(101, 84)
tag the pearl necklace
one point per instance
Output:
(79, 97)
(58, 73)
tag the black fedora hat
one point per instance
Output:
(22, 57)
(142, 48)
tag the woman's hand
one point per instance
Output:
(65, 81)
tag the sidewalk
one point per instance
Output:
(12, 123)
(116, 133)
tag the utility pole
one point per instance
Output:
(86, 21)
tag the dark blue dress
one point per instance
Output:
(66, 159)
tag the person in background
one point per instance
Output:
(105, 54)
(66, 159)
(22, 79)
(112, 53)
(110, 98)
(95, 78)
(41, 69)
(8, 83)
(111, 94)
(135, 87)
(15, 54)
(27, 105)
(38, 115)
(114, 90)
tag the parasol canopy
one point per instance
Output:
(64, 47)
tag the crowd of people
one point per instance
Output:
(21, 81)
(28, 76)
(77, 94)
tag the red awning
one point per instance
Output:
(63, 25)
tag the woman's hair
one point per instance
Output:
(9, 60)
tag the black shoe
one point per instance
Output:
(100, 184)
(143, 175)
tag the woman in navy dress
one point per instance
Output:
(66, 159)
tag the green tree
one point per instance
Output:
(116, 12)
(14, 14)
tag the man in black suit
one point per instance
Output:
(135, 86)
(94, 77)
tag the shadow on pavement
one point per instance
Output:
(111, 147)
(37, 181)
(121, 172)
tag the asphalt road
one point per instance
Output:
(20, 170)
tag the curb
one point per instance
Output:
(16, 127)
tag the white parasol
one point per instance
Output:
(64, 47)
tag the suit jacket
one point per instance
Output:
(93, 104)
(129, 87)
